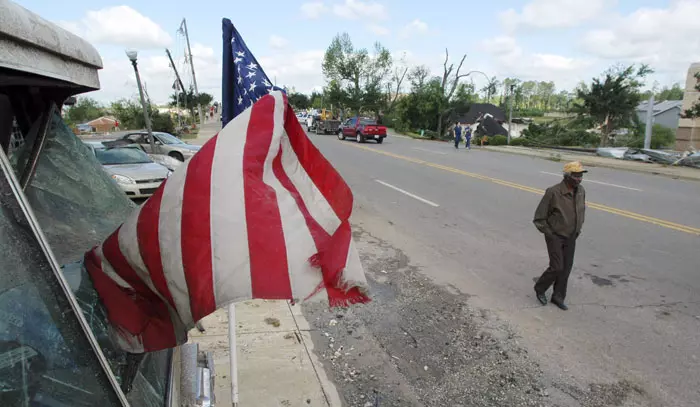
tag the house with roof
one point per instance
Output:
(666, 113)
(688, 132)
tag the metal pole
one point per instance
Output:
(194, 77)
(146, 117)
(232, 355)
(182, 86)
(649, 124)
(510, 114)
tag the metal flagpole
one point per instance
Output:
(233, 353)
(194, 77)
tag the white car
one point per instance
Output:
(131, 168)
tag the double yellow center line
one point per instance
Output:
(627, 214)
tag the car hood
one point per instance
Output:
(139, 171)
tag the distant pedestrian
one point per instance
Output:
(458, 133)
(560, 216)
(468, 136)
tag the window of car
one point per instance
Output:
(167, 138)
(77, 205)
(45, 356)
(351, 122)
(370, 122)
(117, 156)
(137, 138)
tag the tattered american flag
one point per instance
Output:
(250, 82)
(258, 212)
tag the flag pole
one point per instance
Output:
(233, 353)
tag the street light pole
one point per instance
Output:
(510, 113)
(133, 57)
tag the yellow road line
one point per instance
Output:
(621, 212)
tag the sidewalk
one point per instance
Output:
(207, 130)
(276, 363)
(596, 161)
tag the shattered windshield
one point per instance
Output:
(78, 205)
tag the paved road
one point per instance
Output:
(464, 220)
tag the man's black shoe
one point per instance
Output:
(560, 304)
(541, 298)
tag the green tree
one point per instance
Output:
(694, 111)
(612, 99)
(491, 88)
(204, 100)
(130, 115)
(358, 73)
(84, 110)
(675, 92)
(299, 100)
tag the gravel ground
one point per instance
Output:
(420, 344)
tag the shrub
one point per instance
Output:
(498, 141)
(520, 141)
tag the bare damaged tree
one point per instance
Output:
(448, 85)
(393, 87)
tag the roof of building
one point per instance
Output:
(661, 106)
(477, 109)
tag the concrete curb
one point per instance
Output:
(684, 173)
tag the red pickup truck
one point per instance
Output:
(362, 129)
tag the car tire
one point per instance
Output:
(341, 136)
(177, 156)
(359, 138)
(380, 140)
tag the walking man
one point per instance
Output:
(458, 134)
(560, 216)
(468, 136)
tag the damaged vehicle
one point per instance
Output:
(132, 169)
(56, 203)
(164, 143)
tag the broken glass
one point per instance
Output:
(78, 205)
(45, 358)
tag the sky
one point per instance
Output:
(565, 41)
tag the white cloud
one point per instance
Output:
(313, 9)
(666, 38)
(356, 9)
(509, 59)
(117, 78)
(414, 27)
(301, 69)
(553, 13)
(278, 42)
(379, 29)
(121, 26)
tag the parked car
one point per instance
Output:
(362, 129)
(165, 143)
(132, 169)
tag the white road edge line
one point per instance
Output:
(416, 197)
(429, 151)
(597, 182)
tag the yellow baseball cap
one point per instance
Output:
(574, 166)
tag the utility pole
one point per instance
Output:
(649, 124)
(183, 26)
(510, 114)
(179, 81)
(132, 55)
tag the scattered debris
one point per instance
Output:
(332, 322)
(273, 321)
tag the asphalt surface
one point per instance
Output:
(448, 244)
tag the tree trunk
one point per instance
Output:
(439, 126)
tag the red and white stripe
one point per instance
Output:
(258, 212)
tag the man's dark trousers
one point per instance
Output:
(561, 260)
